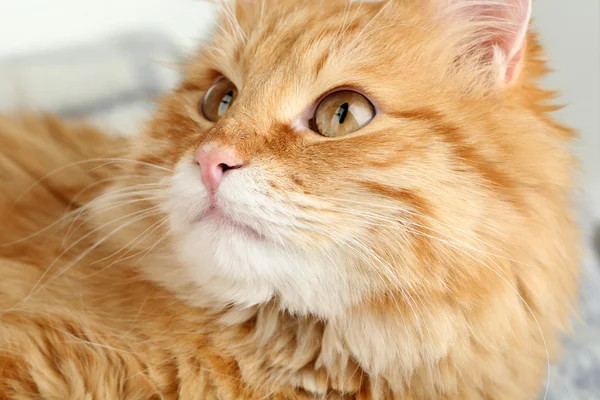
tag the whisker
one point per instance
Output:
(503, 278)
(393, 224)
(105, 180)
(92, 160)
(403, 210)
(45, 229)
(129, 191)
(370, 23)
(97, 211)
(38, 285)
(233, 22)
(148, 231)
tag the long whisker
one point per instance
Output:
(146, 214)
(405, 211)
(239, 33)
(147, 232)
(370, 22)
(343, 32)
(128, 191)
(76, 213)
(138, 197)
(105, 180)
(45, 229)
(394, 224)
(92, 160)
(141, 215)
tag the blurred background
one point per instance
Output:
(106, 60)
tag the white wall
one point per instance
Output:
(31, 25)
(569, 30)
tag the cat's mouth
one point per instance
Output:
(220, 220)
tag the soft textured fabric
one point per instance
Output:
(577, 376)
(114, 83)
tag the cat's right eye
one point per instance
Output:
(341, 113)
(218, 99)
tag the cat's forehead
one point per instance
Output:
(303, 51)
(294, 37)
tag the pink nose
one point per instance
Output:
(214, 163)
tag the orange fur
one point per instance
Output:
(451, 256)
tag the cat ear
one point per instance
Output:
(502, 26)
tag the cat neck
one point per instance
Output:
(365, 349)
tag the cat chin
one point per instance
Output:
(229, 267)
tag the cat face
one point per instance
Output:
(330, 153)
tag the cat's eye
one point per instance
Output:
(341, 113)
(218, 99)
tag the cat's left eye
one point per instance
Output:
(341, 113)
(218, 99)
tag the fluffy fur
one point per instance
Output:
(430, 255)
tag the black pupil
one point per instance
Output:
(225, 101)
(342, 113)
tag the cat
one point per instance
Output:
(365, 200)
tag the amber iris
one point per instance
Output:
(341, 113)
(218, 99)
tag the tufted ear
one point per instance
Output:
(501, 26)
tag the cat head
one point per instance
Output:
(328, 155)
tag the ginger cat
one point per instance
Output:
(342, 200)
